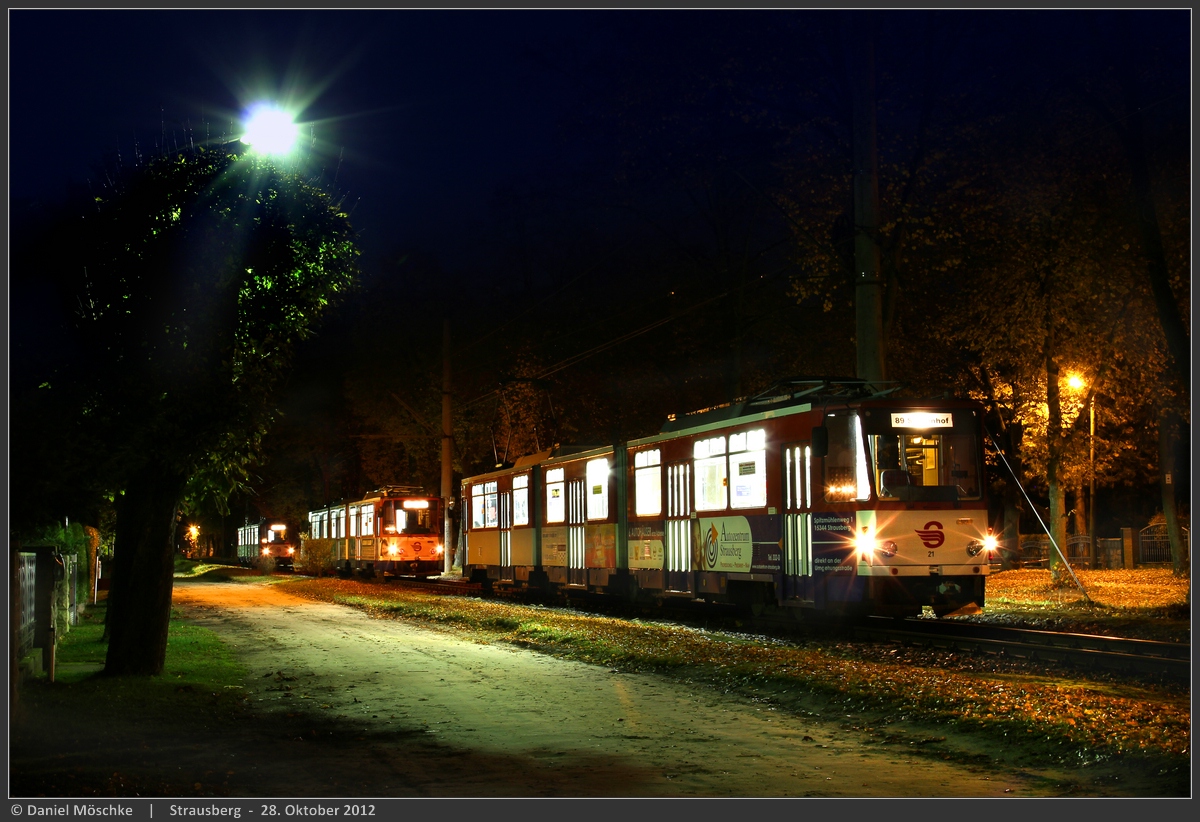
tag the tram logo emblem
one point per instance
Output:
(710, 546)
(932, 535)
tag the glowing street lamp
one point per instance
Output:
(270, 130)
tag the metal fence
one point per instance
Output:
(1036, 550)
(26, 580)
(1151, 546)
(1154, 545)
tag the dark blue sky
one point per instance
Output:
(420, 117)
(420, 114)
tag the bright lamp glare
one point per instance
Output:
(270, 130)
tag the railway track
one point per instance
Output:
(1137, 657)
(1131, 656)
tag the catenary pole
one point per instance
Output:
(447, 454)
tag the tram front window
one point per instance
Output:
(924, 467)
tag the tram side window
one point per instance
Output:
(647, 483)
(748, 469)
(367, 512)
(597, 482)
(556, 497)
(710, 474)
(520, 498)
(846, 470)
(484, 512)
(353, 520)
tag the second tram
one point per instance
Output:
(391, 531)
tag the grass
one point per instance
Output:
(196, 660)
(1143, 603)
(209, 571)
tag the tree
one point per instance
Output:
(189, 280)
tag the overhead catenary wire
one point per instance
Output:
(1032, 507)
(583, 355)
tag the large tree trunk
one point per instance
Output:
(139, 602)
(1168, 427)
(1054, 440)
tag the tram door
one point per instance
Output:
(797, 528)
(576, 535)
(679, 527)
(505, 516)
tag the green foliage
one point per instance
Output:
(189, 281)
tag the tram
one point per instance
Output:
(395, 530)
(817, 494)
(267, 538)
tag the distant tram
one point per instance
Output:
(818, 494)
(267, 538)
(391, 531)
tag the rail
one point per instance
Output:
(1131, 656)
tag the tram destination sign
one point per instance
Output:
(922, 419)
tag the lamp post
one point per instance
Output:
(1092, 478)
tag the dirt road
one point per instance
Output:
(398, 710)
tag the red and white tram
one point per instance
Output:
(816, 494)
(391, 531)
(267, 538)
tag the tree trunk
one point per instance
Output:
(139, 602)
(1010, 552)
(1054, 440)
(1168, 427)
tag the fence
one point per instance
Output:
(45, 601)
(1151, 547)
(1154, 545)
(26, 580)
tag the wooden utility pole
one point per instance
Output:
(447, 454)
(868, 276)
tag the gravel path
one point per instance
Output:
(398, 710)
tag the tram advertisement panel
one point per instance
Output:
(739, 544)
(601, 546)
(554, 545)
(832, 543)
(646, 546)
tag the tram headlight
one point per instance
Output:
(266, 552)
(291, 550)
(865, 543)
(438, 550)
(986, 546)
(393, 550)
(887, 548)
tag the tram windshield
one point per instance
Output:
(910, 457)
(410, 517)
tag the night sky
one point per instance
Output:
(417, 115)
(420, 117)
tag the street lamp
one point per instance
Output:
(270, 130)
